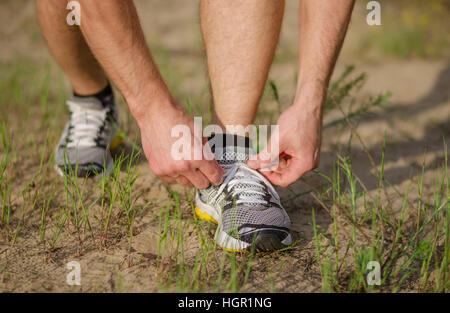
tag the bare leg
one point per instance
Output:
(240, 38)
(69, 48)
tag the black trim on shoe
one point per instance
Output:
(269, 240)
(265, 239)
(229, 140)
(231, 205)
(83, 170)
(101, 95)
(263, 226)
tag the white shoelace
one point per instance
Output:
(248, 185)
(85, 124)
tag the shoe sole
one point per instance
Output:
(115, 143)
(106, 172)
(264, 239)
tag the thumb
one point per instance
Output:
(269, 156)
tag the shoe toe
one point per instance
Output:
(84, 162)
(266, 228)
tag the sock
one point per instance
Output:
(105, 96)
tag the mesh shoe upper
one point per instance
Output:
(92, 126)
(248, 202)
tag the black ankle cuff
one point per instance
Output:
(102, 95)
(229, 140)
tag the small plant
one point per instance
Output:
(5, 181)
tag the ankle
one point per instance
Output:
(105, 95)
(230, 147)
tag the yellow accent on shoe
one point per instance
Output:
(204, 216)
(233, 250)
(115, 143)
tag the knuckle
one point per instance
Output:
(211, 170)
(183, 166)
(208, 166)
(202, 184)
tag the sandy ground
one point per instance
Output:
(416, 120)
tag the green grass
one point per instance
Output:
(406, 249)
(5, 182)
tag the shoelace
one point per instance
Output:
(238, 175)
(85, 125)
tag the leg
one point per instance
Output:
(240, 38)
(84, 145)
(69, 48)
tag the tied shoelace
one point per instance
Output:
(85, 125)
(246, 185)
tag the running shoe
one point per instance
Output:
(89, 135)
(245, 206)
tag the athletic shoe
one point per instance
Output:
(245, 206)
(84, 147)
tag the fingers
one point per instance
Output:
(196, 178)
(268, 157)
(200, 173)
(177, 180)
(168, 179)
(262, 160)
(282, 165)
(293, 172)
(212, 171)
(184, 181)
(188, 179)
(208, 172)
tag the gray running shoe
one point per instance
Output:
(246, 207)
(85, 144)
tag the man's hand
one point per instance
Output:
(113, 33)
(156, 127)
(299, 144)
(323, 25)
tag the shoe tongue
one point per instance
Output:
(229, 149)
